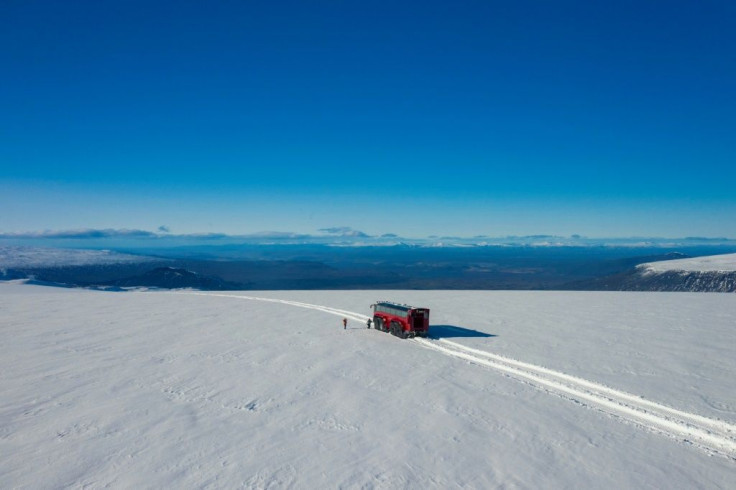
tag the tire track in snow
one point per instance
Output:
(334, 311)
(713, 436)
(603, 390)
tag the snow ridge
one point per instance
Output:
(712, 436)
(708, 263)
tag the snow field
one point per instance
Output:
(709, 263)
(713, 436)
(156, 389)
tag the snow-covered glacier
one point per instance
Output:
(266, 390)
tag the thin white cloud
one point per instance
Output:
(83, 233)
(343, 231)
(344, 236)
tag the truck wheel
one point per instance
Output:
(377, 324)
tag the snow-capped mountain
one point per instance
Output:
(725, 263)
(714, 273)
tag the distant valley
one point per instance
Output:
(323, 267)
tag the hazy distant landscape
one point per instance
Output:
(319, 266)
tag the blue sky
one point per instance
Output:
(416, 118)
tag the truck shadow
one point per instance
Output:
(450, 331)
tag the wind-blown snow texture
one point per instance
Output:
(189, 389)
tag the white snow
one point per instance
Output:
(266, 390)
(61, 257)
(709, 263)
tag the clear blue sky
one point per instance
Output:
(417, 118)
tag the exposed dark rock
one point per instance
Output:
(645, 280)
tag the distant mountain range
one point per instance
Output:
(322, 267)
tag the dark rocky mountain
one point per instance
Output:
(694, 281)
(640, 280)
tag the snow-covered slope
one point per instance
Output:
(709, 263)
(71, 267)
(714, 273)
(25, 257)
(517, 389)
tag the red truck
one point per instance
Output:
(401, 320)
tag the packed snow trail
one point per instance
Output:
(713, 436)
(334, 311)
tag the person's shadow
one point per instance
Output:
(453, 331)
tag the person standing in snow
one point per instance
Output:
(344, 323)
(368, 323)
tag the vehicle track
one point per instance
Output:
(334, 311)
(713, 436)
(710, 435)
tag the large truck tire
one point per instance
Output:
(378, 323)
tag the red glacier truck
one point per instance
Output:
(401, 320)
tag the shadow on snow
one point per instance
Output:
(450, 331)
